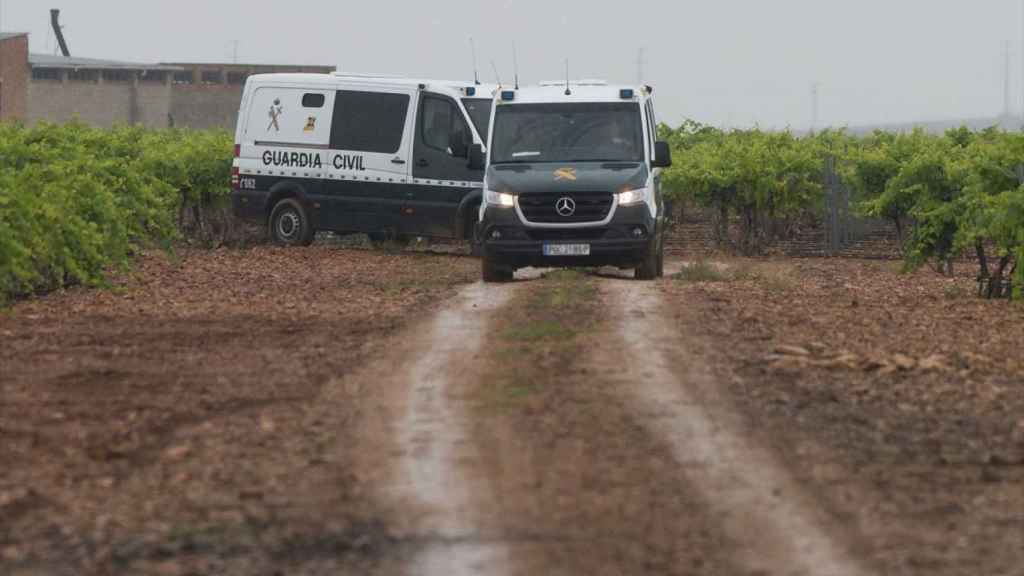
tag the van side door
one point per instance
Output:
(442, 180)
(368, 167)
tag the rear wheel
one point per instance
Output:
(492, 272)
(290, 225)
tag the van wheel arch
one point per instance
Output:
(283, 191)
(468, 213)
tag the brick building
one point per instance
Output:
(40, 87)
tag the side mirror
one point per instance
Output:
(662, 155)
(457, 145)
(477, 157)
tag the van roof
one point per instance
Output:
(452, 87)
(586, 92)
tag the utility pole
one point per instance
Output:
(235, 53)
(814, 106)
(1006, 82)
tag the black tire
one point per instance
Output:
(389, 241)
(661, 259)
(493, 273)
(652, 265)
(290, 225)
(476, 247)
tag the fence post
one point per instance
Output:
(832, 208)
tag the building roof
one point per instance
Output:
(73, 63)
(244, 66)
(9, 35)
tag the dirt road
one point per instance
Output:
(397, 417)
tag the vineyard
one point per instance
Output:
(76, 201)
(951, 196)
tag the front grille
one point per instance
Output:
(547, 234)
(540, 208)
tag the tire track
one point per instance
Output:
(435, 444)
(414, 447)
(777, 529)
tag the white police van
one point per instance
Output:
(351, 154)
(573, 178)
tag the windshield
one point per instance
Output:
(578, 132)
(479, 110)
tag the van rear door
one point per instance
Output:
(286, 135)
(368, 164)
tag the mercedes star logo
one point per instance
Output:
(565, 207)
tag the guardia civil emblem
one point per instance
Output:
(276, 110)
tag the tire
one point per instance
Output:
(493, 273)
(652, 266)
(290, 225)
(389, 240)
(661, 259)
(476, 247)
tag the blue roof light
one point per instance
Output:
(508, 95)
(471, 91)
(626, 94)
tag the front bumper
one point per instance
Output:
(507, 241)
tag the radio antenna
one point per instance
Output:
(476, 70)
(496, 75)
(515, 64)
(568, 91)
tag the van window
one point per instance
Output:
(568, 132)
(369, 121)
(479, 110)
(313, 101)
(437, 123)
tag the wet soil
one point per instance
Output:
(340, 411)
(581, 486)
(187, 421)
(896, 398)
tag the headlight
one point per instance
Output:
(632, 197)
(500, 199)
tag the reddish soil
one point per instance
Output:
(338, 411)
(898, 397)
(177, 423)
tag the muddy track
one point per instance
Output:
(569, 424)
(778, 528)
(601, 446)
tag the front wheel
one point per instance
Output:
(493, 273)
(653, 265)
(290, 225)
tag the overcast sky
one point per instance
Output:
(722, 62)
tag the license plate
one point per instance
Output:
(567, 249)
